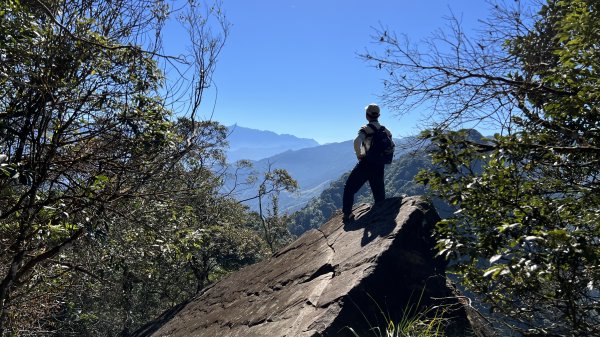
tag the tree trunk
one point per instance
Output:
(5, 288)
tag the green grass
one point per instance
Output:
(415, 326)
(415, 322)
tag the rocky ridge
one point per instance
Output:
(331, 279)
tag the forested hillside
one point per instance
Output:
(412, 156)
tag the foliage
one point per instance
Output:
(525, 234)
(110, 203)
(162, 254)
(274, 226)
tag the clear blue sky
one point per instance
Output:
(292, 67)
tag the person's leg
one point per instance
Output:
(356, 179)
(376, 182)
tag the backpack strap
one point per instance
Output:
(374, 128)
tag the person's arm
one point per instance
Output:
(358, 141)
(392, 138)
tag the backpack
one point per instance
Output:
(382, 146)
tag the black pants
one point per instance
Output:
(361, 173)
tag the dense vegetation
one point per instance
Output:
(111, 202)
(525, 236)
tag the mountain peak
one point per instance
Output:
(246, 143)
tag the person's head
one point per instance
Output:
(372, 111)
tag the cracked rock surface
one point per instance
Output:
(328, 280)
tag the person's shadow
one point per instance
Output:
(376, 220)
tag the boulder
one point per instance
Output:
(358, 275)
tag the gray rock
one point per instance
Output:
(339, 276)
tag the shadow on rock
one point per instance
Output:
(376, 220)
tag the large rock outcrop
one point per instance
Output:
(339, 276)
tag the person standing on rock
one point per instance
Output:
(374, 148)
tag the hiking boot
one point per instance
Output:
(347, 218)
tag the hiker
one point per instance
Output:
(374, 148)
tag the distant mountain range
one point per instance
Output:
(314, 168)
(246, 143)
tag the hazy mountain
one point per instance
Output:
(314, 168)
(245, 143)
